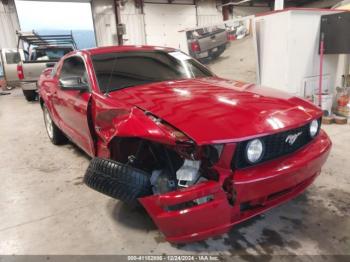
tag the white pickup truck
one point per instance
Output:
(22, 67)
(9, 58)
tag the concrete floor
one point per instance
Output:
(46, 209)
(238, 61)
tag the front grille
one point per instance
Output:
(275, 146)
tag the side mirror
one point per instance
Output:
(73, 83)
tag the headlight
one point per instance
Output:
(313, 129)
(254, 150)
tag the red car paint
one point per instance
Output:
(208, 110)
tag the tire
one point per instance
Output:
(30, 95)
(54, 133)
(117, 180)
(221, 49)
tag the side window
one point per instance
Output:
(12, 57)
(74, 67)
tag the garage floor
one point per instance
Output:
(238, 61)
(46, 209)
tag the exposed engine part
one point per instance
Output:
(219, 148)
(168, 168)
(161, 183)
(212, 153)
(131, 159)
(188, 174)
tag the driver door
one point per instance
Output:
(71, 103)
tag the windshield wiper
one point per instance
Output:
(128, 85)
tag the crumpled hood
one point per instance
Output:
(213, 110)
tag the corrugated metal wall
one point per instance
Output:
(8, 24)
(134, 23)
(249, 10)
(207, 13)
(104, 22)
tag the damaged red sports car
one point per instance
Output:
(199, 152)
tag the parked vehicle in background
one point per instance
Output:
(237, 31)
(10, 57)
(199, 152)
(207, 43)
(41, 51)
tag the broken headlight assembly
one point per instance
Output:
(178, 135)
(195, 167)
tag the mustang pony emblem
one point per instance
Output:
(292, 138)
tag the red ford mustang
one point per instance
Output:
(200, 153)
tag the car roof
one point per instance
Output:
(126, 48)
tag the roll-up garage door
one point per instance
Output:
(163, 21)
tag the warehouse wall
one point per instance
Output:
(207, 13)
(103, 14)
(247, 10)
(105, 22)
(134, 23)
(8, 24)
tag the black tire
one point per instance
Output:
(117, 180)
(30, 95)
(221, 49)
(54, 133)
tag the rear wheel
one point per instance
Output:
(55, 134)
(220, 50)
(30, 95)
(118, 180)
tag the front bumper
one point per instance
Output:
(257, 189)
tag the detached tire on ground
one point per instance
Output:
(117, 180)
(30, 95)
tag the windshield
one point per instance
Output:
(115, 71)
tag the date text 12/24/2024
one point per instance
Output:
(174, 258)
